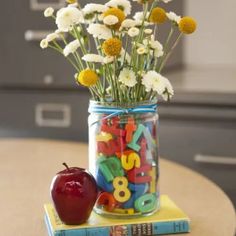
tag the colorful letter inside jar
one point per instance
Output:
(123, 157)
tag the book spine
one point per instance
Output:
(160, 228)
(48, 225)
(145, 229)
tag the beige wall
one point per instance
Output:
(215, 40)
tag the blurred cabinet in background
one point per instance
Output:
(44, 114)
(24, 64)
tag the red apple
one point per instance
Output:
(74, 193)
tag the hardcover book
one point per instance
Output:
(168, 220)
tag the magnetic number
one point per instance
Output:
(121, 193)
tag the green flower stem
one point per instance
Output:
(98, 46)
(126, 48)
(112, 82)
(148, 60)
(82, 46)
(155, 30)
(115, 79)
(165, 49)
(138, 91)
(55, 48)
(79, 61)
(145, 11)
(156, 60)
(73, 64)
(141, 67)
(169, 38)
(143, 92)
(100, 88)
(63, 39)
(170, 52)
(153, 5)
(149, 95)
(94, 89)
(60, 50)
(91, 91)
(128, 95)
(77, 34)
(132, 53)
(104, 83)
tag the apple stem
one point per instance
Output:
(66, 166)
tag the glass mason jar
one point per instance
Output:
(123, 158)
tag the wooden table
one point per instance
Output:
(27, 167)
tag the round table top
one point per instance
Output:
(28, 165)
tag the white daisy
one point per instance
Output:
(110, 20)
(99, 31)
(93, 58)
(141, 50)
(154, 81)
(153, 43)
(128, 23)
(79, 29)
(148, 31)
(158, 53)
(169, 91)
(138, 17)
(67, 17)
(166, 1)
(71, 47)
(124, 56)
(124, 5)
(48, 12)
(173, 17)
(108, 59)
(127, 77)
(92, 8)
(57, 31)
(44, 43)
(52, 36)
(76, 4)
(133, 32)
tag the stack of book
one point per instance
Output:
(168, 220)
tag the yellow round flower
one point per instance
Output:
(87, 77)
(71, 1)
(158, 15)
(187, 25)
(112, 47)
(115, 12)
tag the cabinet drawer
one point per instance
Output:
(181, 141)
(50, 115)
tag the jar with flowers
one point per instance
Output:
(119, 58)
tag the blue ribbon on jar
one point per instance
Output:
(112, 111)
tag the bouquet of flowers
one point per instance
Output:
(129, 59)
